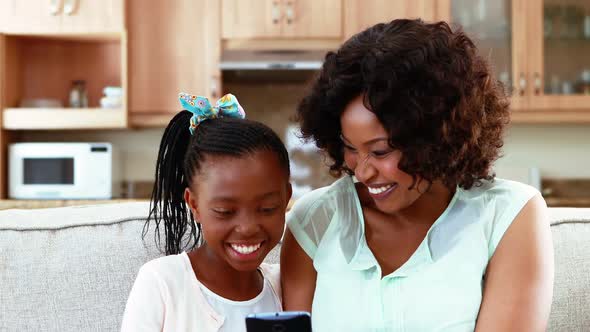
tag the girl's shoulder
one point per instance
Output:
(167, 269)
(272, 273)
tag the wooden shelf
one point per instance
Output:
(581, 117)
(64, 118)
(148, 120)
(79, 37)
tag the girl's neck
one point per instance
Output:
(222, 279)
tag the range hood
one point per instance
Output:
(271, 60)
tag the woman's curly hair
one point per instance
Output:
(431, 90)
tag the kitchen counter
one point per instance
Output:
(568, 201)
(41, 204)
(566, 192)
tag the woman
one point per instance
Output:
(423, 238)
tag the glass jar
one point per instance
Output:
(584, 85)
(78, 95)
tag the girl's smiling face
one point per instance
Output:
(240, 203)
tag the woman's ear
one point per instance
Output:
(191, 200)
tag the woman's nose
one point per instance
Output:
(364, 171)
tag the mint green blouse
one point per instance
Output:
(439, 288)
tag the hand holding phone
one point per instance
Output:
(286, 321)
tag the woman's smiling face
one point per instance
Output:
(374, 162)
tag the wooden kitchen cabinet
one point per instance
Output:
(499, 31)
(92, 16)
(251, 19)
(282, 19)
(540, 49)
(361, 14)
(3, 135)
(28, 16)
(62, 16)
(172, 49)
(5, 7)
(558, 34)
(312, 19)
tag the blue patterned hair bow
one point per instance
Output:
(226, 107)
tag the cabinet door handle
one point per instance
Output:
(522, 84)
(537, 83)
(276, 12)
(70, 6)
(55, 7)
(290, 12)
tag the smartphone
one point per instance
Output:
(286, 321)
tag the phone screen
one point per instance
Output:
(286, 321)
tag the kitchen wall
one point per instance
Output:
(560, 151)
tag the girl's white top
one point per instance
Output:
(167, 296)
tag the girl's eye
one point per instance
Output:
(269, 210)
(222, 212)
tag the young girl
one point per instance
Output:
(227, 179)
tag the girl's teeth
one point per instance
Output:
(376, 191)
(245, 250)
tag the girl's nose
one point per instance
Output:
(247, 228)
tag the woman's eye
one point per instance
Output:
(349, 148)
(381, 153)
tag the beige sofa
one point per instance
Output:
(71, 269)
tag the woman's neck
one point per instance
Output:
(424, 210)
(429, 206)
(222, 279)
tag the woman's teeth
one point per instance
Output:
(379, 190)
(245, 250)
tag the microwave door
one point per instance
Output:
(48, 171)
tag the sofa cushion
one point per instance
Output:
(70, 269)
(570, 228)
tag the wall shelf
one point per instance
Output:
(44, 67)
(63, 118)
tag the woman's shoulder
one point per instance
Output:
(497, 204)
(325, 198)
(500, 190)
(313, 214)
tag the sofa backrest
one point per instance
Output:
(71, 269)
(570, 310)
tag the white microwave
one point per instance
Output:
(60, 171)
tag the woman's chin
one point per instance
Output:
(388, 206)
